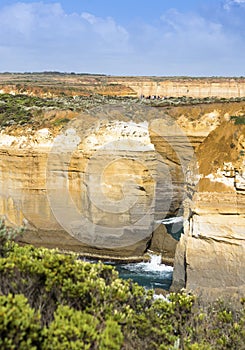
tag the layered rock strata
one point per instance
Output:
(122, 169)
(100, 185)
(210, 256)
(70, 84)
(194, 87)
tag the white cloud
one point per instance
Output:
(42, 36)
(229, 3)
(31, 19)
(190, 44)
(107, 28)
(39, 36)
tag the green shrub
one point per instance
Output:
(111, 338)
(20, 326)
(61, 121)
(238, 120)
(48, 278)
(71, 329)
(87, 306)
(7, 236)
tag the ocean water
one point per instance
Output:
(153, 274)
(150, 275)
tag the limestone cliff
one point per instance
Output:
(195, 87)
(104, 183)
(211, 254)
(49, 85)
(121, 168)
(100, 185)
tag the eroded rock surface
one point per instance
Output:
(206, 87)
(211, 254)
(122, 169)
(54, 84)
(102, 182)
(162, 242)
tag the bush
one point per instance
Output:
(111, 338)
(61, 121)
(20, 326)
(7, 236)
(74, 304)
(238, 120)
(71, 329)
(48, 278)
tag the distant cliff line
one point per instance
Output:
(190, 87)
(148, 87)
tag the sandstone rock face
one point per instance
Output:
(211, 254)
(100, 185)
(194, 87)
(162, 242)
(50, 85)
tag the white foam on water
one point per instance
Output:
(169, 221)
(154, 266)
(150, 274)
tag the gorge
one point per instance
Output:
(101, 180)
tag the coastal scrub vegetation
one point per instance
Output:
(238, 120)
(19, 109)
(22, 109)
(188, 100)
(50, 300)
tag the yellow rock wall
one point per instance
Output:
(211, 254)
(193, 87)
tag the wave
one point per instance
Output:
(172, 220)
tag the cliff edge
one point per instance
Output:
(210, 256)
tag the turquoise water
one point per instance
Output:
(151, 274)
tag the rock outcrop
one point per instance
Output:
(100, 185)
(162, 242)
(210, 256)
(105, 182)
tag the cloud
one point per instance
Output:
(49, 38)
(190, 44)
(40, 36)
(229, 3)
(239, 1)
(106, 28)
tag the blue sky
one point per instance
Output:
(129, 37)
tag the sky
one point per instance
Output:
(124, 37)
